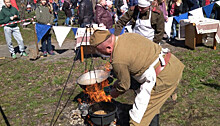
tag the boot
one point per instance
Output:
(155, 121)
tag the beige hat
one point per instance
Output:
(99, 36)
(144, 3)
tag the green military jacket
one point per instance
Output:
(43, 15)
(157, 21)
(133, 54)
(6, 13)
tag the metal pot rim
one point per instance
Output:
(92, 77)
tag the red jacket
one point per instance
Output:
(207, 2)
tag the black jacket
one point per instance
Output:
(74, 4)
(66, 9)
(85, 12)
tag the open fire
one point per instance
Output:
(94, 99)
(92, 94)
(96, 92)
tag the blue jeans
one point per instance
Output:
(67, 20)
(72, 10)
(133, 2)
(46, 46)
(55, 19)
(174, 28)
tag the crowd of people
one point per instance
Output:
(137, 58)
(147, 17)
(106, 13)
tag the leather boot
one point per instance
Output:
(155, 121)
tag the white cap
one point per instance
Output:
(144, 3)
(124, 8)
(109, 2)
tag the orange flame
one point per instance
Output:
(96, 92)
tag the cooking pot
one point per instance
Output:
(102, 119)
(92, 77)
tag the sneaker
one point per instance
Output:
(45, 54)
(23, 53)
(51, 52)
(168, 40)
(13, 55)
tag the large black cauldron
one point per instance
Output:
(105, 119)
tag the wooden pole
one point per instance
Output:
(82, 53)
(214, 42)
(4, 116)
(35, 35)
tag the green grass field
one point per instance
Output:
(29, 90)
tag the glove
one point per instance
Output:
(107, 90)
(114, 93)
(12, 18)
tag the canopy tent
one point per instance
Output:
(1, 4)
(14, 4)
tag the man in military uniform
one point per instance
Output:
(145, 19)
(157, 71)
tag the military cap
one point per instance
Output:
(99, 36)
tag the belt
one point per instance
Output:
(160, 67)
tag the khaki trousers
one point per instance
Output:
(157, 99)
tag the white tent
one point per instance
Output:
(1, 4)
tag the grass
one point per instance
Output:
(29, 90)
(198, 93)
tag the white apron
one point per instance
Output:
(147, 80)
(143, 27)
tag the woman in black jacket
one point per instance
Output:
(85, 13)
(66, 8)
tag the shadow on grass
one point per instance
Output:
(122, 113)
(60, 51)
(215, 86)
(16, 49)
(178, 43)
(181, 43)
(203, 45)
